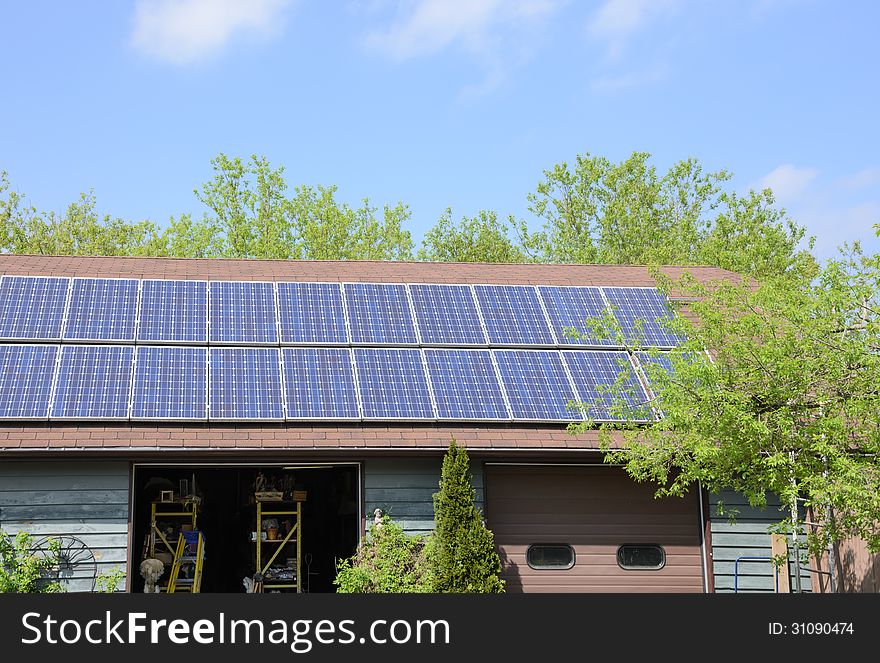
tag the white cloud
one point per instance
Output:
(186, 31)
(617, 20)
(611, 84)
(833, 226)
(433, 25)
(863, 179)
(788, 182)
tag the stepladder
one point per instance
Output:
(189, 560)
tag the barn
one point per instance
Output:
(242, 417)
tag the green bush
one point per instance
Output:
(388, 561)
(109, 581)
(461, 552)
(24, 571)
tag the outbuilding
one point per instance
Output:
(274, 406)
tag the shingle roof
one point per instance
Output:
(342, 270)
(39, 438)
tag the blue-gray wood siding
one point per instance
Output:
(82, 499)
(746, 536)
(404, 489)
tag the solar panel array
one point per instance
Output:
(90, 348)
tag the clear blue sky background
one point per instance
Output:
(458, 103)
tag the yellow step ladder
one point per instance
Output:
(190, 553)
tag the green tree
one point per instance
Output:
(250, 215)
(462, 550)
(388, 561)
(597, 211)
(256, 219)
(23, 571)
(480, 238)
(788, 403)
(80, 230)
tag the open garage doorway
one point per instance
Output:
(309, 517)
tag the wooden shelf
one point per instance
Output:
(273, 554)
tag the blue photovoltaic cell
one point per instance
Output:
(513, 315)
(393, 384)
(26, 380)
(243, 312)
(319, 383)
(536, 385)
(246, 384)
(94, 382)
(447, 314)
(174, 311)
(569, 307)
(311, 313)
(639, 310)
(32, 308)
(660, 360)
(465, 385)
(595, 373)
(379, 313)
(170, 383)
(102, 310)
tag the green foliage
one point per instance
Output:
(788, 404)
(481, 238)
(387, 561)
(626, 213)
(595, 211)
(250, 215)
(108, 582)
(256, 219)
(462, 550)
(23, 571)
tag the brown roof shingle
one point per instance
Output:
(341, 270)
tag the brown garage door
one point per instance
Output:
(595, 511)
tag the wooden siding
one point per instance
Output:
(87, 500)
(404, 489)
(595, 510)
(746, 536)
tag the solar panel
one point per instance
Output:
(26, 380)
(311, 313)
(595, 373)
(537, 386)
(243, 312)
(32, 307)
(639, 310)
(392, 384)
(173, 312)
(319, 383)
(379, 313)
(661, 360)
(245, 384)
(569, 307)
(170, 383)
(447, 315)
(102, 310)
(513, 315)
(465, 385)
(94, 382)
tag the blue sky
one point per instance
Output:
(458, 103)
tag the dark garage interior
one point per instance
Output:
(226, 508)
